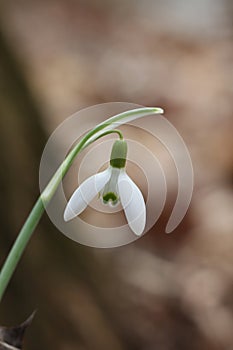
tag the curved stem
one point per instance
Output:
(108, 132)
(91, 136)
(102, 129)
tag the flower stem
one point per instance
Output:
(102, 129)
(19, 245)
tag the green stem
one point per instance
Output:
(38, 209)
(118, 132)
(19, 245)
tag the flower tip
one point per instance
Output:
(68, 214)
(138, 232)
(138, 225)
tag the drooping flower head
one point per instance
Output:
(114, 186)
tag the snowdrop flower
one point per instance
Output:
(113, 186)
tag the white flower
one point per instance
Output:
(114, 186)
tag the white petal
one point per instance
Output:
(133, 203)
(85, 193)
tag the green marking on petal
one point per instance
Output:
(110, 196)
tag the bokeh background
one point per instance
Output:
(166, 292)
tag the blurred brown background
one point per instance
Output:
(166, 292)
